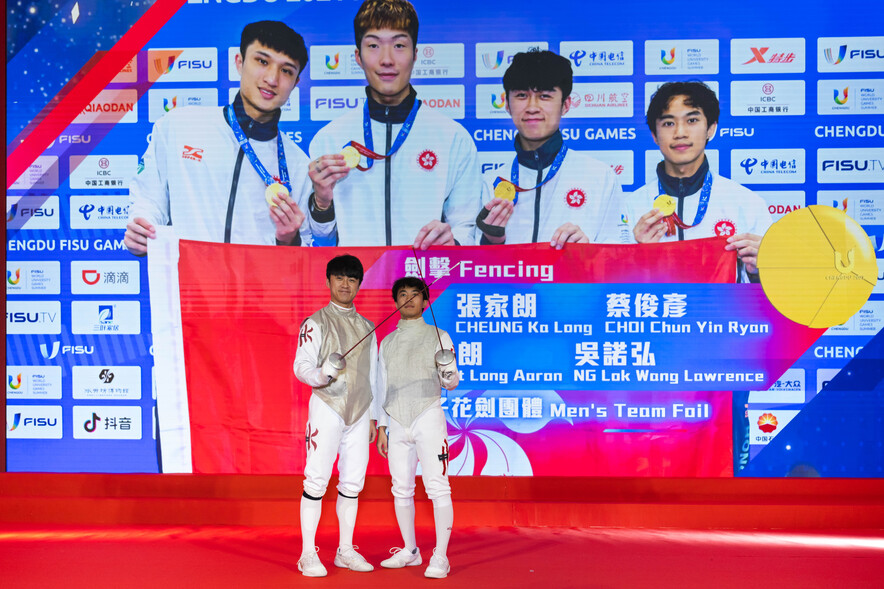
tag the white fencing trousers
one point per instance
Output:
(426, 440)
(328, 437)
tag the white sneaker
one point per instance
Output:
(350, 559)
(438, 568)
(310, 565)
(402, 558)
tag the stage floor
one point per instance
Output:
(37, 556)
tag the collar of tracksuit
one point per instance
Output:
(252, 128)
(390, 114)
(541, 157)
(681, 187)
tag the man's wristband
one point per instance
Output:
(320, 215)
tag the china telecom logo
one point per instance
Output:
(15, 384)
(671, 58)
(830, 57)
(498, 101)
(332, 65)
(170, 104)
(10, 279)
(491, 62)
(840, 97)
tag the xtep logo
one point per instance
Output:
(498, 101)
(830, 57)
(332, 64)
(164, 66)
(491, 62)
(91, 276)
(840, 266)
(757, 55)
(839, 99)
(15, 383)
(577, 56)
(170, 104)
(671, 58)
(192, 153)
(10, 279)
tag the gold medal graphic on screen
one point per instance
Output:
(817, 266)
(351, 156)
(274, 189)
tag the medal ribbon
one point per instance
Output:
(253, 157)
(673, 220)
(368, 149)
(553, 170)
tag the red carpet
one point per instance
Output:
(171, 557)
(226, 531)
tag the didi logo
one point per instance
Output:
(14, 383)
(492, 62)
(830, 56)
(839, 98)
(332, 64)
(671, 58)
(10, 279)
(498, 101)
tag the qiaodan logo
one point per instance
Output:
(830, 57)
(671, 58)
(498, 101)
(332, 65)
(839, 99)
(492, 62)
(10, 279)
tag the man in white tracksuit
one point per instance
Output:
(422, 186)
(211, 172)
(411, 422)
(683, 117)
(340, 423)
(549, 193)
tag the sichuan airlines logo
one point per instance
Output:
(671, 59)
(333, 63)
(830, 55)
(840, 97)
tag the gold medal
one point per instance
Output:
(351, 156)
(505, 190)
(274, 190)
(665, 204)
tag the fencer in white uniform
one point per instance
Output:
(411, 422)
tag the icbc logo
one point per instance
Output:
(575, 198)
(428, 52)
(725, 228)
(427, 159)
(103, 163)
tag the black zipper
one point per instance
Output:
(388, 169)
(537, 197)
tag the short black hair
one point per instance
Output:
(397, 15)
(539, 70)
(698, 95)
(277, 36)
(345, 265)
(411, 282)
